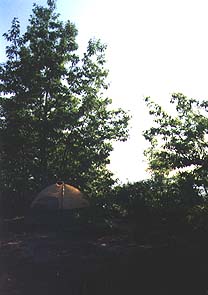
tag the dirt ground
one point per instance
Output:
(81, 261)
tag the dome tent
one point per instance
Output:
(59, 196)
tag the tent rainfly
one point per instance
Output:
(59, 196)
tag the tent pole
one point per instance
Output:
(62, 201)
(62, 196)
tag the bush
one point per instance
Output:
(197, 217)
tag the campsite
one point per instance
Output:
(75, 254)
(68, 224)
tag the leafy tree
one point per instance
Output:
(179, 143)
(55, 120)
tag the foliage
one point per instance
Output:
(157, 193)
(130, 198)
(55, 121)
(197, 217)
(179, 143)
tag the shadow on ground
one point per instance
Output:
(87, 261)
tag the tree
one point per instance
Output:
(55, 120)
(180, 142)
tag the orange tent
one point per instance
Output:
(59, 196)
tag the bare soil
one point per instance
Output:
(84, 261)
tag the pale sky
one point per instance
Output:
(155, 48)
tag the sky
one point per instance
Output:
(155, 48)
